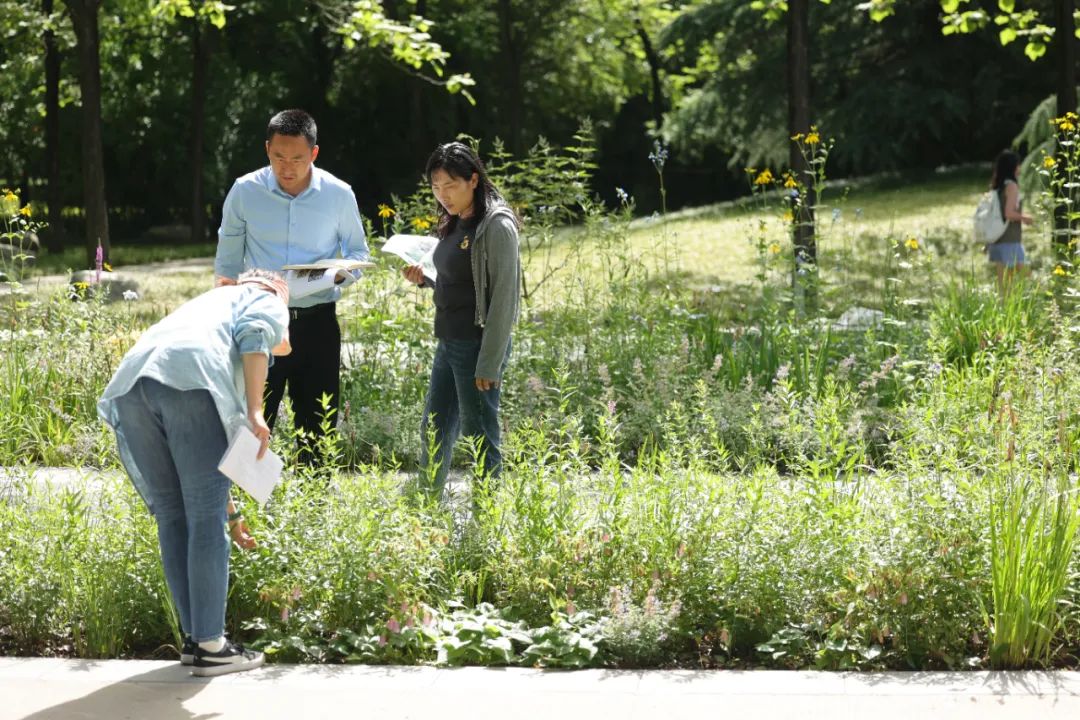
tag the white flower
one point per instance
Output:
(131, 295)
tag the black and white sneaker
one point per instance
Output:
(231, 658)
(187, 652)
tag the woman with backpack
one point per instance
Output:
(1007, 252)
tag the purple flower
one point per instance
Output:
(99, 260)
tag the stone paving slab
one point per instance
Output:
(41, 688)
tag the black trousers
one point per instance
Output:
(309, 371)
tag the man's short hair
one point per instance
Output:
(295, 123)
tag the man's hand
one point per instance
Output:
(414, 274)
(485, 384)
(222, 281)
(261, 431)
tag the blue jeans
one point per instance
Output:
(455, 407)
(176, 439)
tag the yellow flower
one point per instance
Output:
(107, 267)
(797, 137)
(9, 203)
(789, 181)
(812, 137)
(1049, 162)
(420, 223)
(1066, 123)
(1060, 271)
(912, 243)
(774, 249)
(789, 216)
(764, 177)
(385, 211)
(25, 211)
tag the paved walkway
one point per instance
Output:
(118, 689)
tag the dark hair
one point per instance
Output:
(1004, 168)
(295, 123)
(459, 161)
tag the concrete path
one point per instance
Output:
(118, 689)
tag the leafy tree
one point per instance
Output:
(84, 20)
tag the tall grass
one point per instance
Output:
(695, 464)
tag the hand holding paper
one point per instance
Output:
(305, 282)
(415, 250)
(257, 477)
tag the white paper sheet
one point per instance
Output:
(257, 477)
(306, 282)
(415, 250)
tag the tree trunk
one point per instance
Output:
(511, 52)
(54, 234)
(658, 104)
(201, 51)
(798, 77)
(418, 120)
(84, 19)
(1065, 39)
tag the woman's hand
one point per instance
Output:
(261, 430)
(241, 535)
(414, 274)
(485, 384)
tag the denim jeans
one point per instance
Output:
(176, 439)
(455, 407)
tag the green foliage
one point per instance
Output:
(18, 232)
(692, 477)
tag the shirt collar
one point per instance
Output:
(315, 185)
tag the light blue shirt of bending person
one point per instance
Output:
(262, 226)
(200, 346)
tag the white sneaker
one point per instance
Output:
(231, 658)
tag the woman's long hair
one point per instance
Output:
(1004, 168)
(459, 161)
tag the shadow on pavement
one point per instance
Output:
(158, 694)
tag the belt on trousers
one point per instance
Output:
(306, 312)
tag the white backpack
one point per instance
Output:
(990, 223)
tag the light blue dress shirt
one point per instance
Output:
(199, 346)
(262, 226)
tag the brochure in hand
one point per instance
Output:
(415, 250)
(335, 263)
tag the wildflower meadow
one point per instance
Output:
(715, 457)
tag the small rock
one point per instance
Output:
(859, 318)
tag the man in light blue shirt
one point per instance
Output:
(292, 212)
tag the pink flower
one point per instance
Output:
(393, 625)
(99, 260)
(284, 613)
(382, 640)
(570, 607)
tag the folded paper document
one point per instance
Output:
(415, 250)
(257, 477)
(336, 263)
(306, 282)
